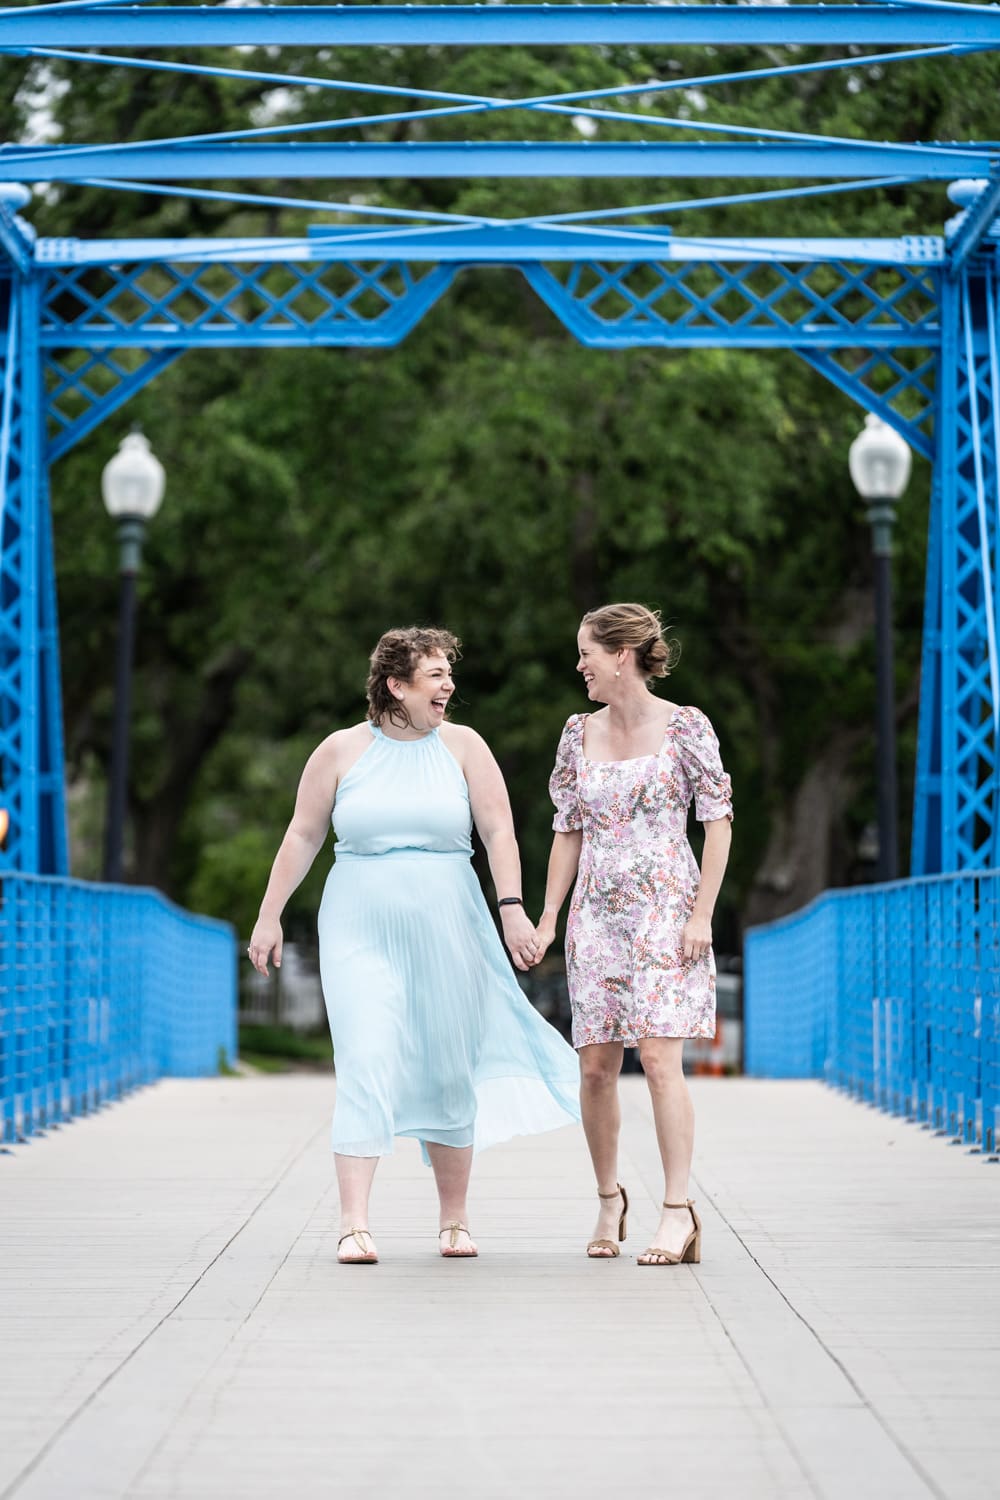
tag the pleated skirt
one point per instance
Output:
(433, 1037)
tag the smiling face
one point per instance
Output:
(598, 666)
(425, 697)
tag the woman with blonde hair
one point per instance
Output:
(639, 937)
(432, 1035)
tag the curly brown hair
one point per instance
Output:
(396, 655)
(616, 625)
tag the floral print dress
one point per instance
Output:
(637, 882)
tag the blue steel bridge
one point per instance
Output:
(890, 993)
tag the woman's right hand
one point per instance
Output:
(544, 935)
(266, 938)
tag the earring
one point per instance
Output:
(618, 674)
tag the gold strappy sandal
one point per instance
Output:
(609, 1245)
(451, 1250)
(690, 1250)
(368, 1256)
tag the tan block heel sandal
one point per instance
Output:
(690, 1250)
(609, 1245)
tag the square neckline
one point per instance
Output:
(630, 760)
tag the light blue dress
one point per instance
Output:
(432, 1035)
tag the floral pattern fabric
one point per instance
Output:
(637, 882)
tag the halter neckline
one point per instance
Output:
(389, 739)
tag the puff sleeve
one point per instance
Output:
(563, 781)
(709, 784)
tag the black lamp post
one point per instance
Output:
(880, 463)
(132, 485)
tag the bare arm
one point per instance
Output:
(302, 842)
(714, 858)
(495, 826)
(564, 861)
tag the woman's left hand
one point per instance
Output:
(520, 937)
(697, 936)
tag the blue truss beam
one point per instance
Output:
(501, 25)
(368, 161)
(748, 306)
(618, 303)
(173, 340)
(489, 244)
(164, 306)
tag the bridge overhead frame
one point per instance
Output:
(909, 328)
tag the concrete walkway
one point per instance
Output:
(173, 1322)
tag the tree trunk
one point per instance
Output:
(583, 558)
(156, 821)
(806, 850)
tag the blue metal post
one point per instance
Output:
(29, 484)
(956, 812)
(31, 757)
(12, 644)
(967, 479)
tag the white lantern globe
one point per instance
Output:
(133, 481)
(879, 461)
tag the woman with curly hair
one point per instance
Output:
(433, 1038)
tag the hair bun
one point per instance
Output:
(638, 628)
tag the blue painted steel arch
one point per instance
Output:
(908, 328)
(99, 347)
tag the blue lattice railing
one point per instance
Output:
(891, 993)
(104, 988)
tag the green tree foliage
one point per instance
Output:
(492, 475)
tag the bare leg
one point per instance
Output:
(602, 1119)
(673, 1112)
(354, 1181)
(452, 1167)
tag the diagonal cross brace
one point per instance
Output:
(821, 361)
(14, 242)
(71, 434)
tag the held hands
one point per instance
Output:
(520, 937)
(697, 936)
(544, 935)
(265, 939)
